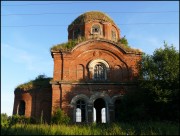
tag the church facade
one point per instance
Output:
(91, 74)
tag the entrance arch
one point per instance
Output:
(100, 110)
(22, 108)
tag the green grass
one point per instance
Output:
(68, 46)
(134, 128)
(40, 81)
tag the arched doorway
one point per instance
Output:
(100, 111)
(22, 107)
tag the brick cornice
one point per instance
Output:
(92, 83)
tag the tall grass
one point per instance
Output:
(134, 128)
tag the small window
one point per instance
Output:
(96, 29)
(113, 35)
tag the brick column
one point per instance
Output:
(55, 97)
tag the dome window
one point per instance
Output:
(96, 29)
(113, 36)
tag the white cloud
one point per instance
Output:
(33, 62)
(16, 55)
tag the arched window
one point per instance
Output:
(98, 69)
(96, 29)
(22, 107)
(113, 35)
(99, 72)
(80, 72)
(80, 111)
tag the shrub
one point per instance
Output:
(19, 119)
(4, 120)
(60, 117)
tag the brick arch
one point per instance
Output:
(93, 42)
(74, 102)
(84, 47)
(21, 108)
(106, 99)
(117, 60)
(97, 95)
(78, 97)
(114, 98)
(91, 67)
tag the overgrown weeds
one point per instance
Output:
(134, 128)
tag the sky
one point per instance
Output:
(30, 28)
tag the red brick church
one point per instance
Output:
(91, 73)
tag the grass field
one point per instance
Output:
(135, 128)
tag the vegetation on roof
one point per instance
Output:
(128, 48)
(40, 81)
(123, 43)
(91, 16)
(68, 45)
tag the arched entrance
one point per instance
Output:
(22, 107)
(100, 110)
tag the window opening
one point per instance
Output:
(80, 111)
(96, 29)
(99, 72)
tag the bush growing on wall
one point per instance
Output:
(60, 117)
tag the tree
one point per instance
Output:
(159, 76)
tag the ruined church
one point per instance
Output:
(92, 72)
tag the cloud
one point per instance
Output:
(30, 60)
(17, 55)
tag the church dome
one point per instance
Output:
(91, 16)
(93, 24)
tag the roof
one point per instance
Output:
(91, 16)
(68, 46)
